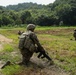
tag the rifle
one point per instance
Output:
(42, 53)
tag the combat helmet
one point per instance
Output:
(31, 27)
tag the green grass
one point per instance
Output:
(59, 42)
(10, 70)
(62, 49)
(8, 48)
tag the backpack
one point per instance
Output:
(26, 42)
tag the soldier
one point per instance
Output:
(30, 44)
(74, 34)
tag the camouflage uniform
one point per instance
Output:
(26, 53)
(74, 34)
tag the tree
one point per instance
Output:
(44, 20)
(25, 15)
(7, 20)
(0, 21)
(63, 11)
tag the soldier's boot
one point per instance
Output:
(24, 63)
(6, 64)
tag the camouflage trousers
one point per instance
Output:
(26, 55)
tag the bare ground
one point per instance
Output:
(46, 68)
(41, 67)
(3, 40)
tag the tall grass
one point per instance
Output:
(58, 41)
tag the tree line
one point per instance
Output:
(59, 13)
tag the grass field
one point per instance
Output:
(58, 41)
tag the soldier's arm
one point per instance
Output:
(36, 41)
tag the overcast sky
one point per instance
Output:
(12, 2)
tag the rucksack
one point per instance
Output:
(26, 42)
(21, 41)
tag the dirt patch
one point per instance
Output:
(1, 47)
(4, 40)
(47, 69)
(56, 31)
(41, 67)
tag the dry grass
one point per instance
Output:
(56, 41)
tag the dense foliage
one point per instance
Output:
(61, 12)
